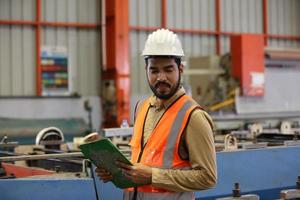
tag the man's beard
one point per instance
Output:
(164, 96)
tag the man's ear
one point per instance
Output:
(181, 68)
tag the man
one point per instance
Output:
(172, 144)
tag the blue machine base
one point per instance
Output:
(263, 194)
(262, 171)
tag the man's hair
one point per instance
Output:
(177, 59)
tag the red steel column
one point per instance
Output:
(38, 49)
(117, 69)
(265, 20)
(218, 26)
(247, 52)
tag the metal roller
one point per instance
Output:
(255, 130)
(286, 127)
(230, 142)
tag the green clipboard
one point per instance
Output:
(104, 153)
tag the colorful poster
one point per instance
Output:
(55, 71)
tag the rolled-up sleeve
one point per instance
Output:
(202, 156)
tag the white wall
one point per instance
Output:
(47, 108)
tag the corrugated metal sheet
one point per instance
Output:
(145, 13)
(191, 14)
(17, 44)
(280, 43)
(87, 11)
(17, 60)
(241, 16)
(17, 9)
(284, 17)
(17, 77)
(225, 44)
(83, 45)
(188, 14)
(137, 63)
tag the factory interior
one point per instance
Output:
(69, 68)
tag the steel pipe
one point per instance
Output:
(39, 157)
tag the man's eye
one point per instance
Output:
(154, 71)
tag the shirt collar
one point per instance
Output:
(159, 104)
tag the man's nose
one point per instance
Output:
(161, 76)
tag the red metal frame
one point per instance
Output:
(265, 20)
(70, 24)
(17, 22)
(218, 26)
(53, 24)
(217, 33)
(187, 31)
(117, 69)
(163, 13)
(38, 49)
(194, 31)
(212, 33)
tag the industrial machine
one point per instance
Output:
(263, 172)
(251, 92)
(260, 172)
(291, 193)
(257, 121)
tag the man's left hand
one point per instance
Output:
(138, 172)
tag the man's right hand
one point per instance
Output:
(104, 175)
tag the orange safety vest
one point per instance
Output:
(162, 148)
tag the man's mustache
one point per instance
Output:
(162, 83)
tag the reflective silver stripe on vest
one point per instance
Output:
(174, 131)
(165, 196)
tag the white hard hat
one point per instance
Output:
(163, 42)
(42, 134)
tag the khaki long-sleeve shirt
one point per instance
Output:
(197, 146)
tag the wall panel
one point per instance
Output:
(145, 13)
(87, 11)
(225, 47)
(17, 61)
(18, 50)
(284, 17)
(191, 14)
(17, 10)
(241, 16)
(29, 63)
(281, 43)
(84, 56)
(137, 63)
(5, 60)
